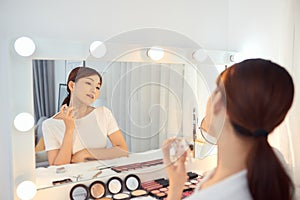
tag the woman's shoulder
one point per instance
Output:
(103, 109)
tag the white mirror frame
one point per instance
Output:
(22, 99)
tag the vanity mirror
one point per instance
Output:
(151, 100)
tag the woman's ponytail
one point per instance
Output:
(66, 100)
(267, 178)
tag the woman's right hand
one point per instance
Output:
(176, 170)
(67, 115)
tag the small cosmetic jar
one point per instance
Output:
(97, 190)
(133, 184)
(79, 192)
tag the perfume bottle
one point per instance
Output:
(177, 149)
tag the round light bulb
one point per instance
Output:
(24, 122)
(97, 49)
(24, 46)
(155, 53)
(26, 190)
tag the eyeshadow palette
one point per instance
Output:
(159, 188)
(134, 166)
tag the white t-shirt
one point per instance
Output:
(91, 131)
(234, 187)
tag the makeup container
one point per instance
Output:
(79, 192)
(134, 166)
(97, 190)
(157, 188)
(115, 187)
(177, 149)
(133, 184)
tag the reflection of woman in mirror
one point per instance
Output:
(251, 99)
(79, 132)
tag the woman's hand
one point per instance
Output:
(176, 170)
(82, 156)
(67, 115)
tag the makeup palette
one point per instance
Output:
(134, 166)
(159, 188)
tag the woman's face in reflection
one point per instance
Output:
(87, 89)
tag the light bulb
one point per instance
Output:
(156, 53)
(26, 190)
(24, 46)
(97, 49)
(24, 122)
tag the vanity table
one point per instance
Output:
(88, 172)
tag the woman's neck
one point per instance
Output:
(80, 109)
(232, 155)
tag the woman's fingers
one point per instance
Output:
(166, 150)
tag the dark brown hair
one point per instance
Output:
(259, 94)
(76, 74)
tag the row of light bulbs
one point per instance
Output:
(25, 47)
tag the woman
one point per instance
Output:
(251, 99)
(79, 132)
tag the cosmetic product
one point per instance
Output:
(58, 182)
(97, 189)
(60, 170)
(79, 192)
(97, 174)
(133, 184)
(121, 196)
(114, 185)
(134, 166)
(177, 149)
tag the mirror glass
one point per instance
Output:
(151, 100)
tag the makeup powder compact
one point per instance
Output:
(79, 192)
(97, 190)
(115, 187)
(133, 183)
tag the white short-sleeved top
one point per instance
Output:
(91, 131)
(234, 187)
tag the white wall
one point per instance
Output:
(82, 22)
(215, 24)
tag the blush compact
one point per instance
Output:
(79, 192)
(97, 190)
(114, 185)
(133, 184)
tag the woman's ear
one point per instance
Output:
(217, 102)
(71, 85)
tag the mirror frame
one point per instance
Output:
(22, 98)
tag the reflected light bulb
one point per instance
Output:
(97, 49)
(26, 190)
(24, 122)
(156, 53)
(24, 46)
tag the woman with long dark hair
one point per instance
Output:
(79, 131)
(251, 99)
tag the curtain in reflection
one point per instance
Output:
(43, 88)
(150, 101)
